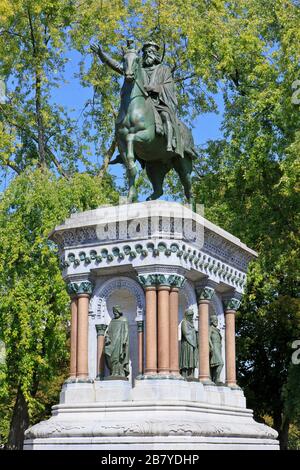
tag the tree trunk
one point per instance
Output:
(19, 423)
(284, 433)
(282, 424)
(39, 118)
(107, 158)
(38, 89)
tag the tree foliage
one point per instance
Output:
(250, 186)
(246, 51)
(34, 305)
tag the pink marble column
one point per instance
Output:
(205, 295)
(163, 330)
(74, 319)
(230, 348)
(231, 304)
(174, 350)
(82, 338)
(100, 350)
(203, 328)
(151, 330)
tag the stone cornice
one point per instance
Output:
(147, 220)
(164, 253)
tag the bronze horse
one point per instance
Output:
(137, 139)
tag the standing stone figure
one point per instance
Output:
(116, 348)
(215, 349)
(188, 360)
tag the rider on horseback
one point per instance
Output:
(159, 83)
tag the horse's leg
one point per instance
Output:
(156, 173)
(169, 128)
(184, 168)
(131, 167)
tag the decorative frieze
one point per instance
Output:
(139, 255)
(158, 279)
(147, 223)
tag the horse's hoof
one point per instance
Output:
(153, 197)
(132, 196)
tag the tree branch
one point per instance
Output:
(11, 33)
(107, 158)
(31, 31)
(11, 164)
(36, 140)
(177, 80)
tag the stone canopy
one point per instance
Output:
(148, 236)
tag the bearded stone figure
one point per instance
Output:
(116, 350)
(215, 349)
(147, 128)
(188, 359)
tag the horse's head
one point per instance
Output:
(130, 62)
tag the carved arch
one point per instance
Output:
(103, 292)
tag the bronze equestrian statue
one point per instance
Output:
(147, 127)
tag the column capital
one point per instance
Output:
(77, 288)
(231, 303)
(140, 326)
(147, 280)
(161, 279)
(101, 329)
(205, 293)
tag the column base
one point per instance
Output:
(116, 377)
(150, 372)
(159, 377)
(79, 380)
(206, 381)
(233, 386)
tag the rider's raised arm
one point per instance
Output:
(113, 64)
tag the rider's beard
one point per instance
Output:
(149, 59)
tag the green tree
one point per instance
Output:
(33, 303)
(249, 52)
(250, 186)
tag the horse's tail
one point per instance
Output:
(193, 153)
(188, 142)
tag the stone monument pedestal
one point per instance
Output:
(155, 414)
(155, 260)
